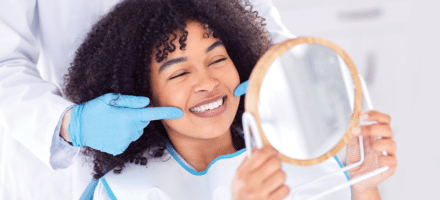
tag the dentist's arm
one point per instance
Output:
(276, 28)
(269, 12)
(30, 107)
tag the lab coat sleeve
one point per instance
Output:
(269, 12)
(30, 107)
(62, 154)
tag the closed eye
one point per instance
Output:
(217, 61)
(178, 75)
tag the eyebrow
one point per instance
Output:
(168, 63)
(213, 46)
(171, 62)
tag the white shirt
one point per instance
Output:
(38, 39)
(170, 177)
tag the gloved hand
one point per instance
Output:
(241, 89)
(111, 122)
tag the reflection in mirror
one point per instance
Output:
(306, 100)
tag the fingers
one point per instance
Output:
(241, 89)
(157, 113)
(390, 161)
(387, 145)
(377, 116)
(268, 168)
(280, 193)
(258, 158)
(261, 176)
(138, 106)
(125, 101)
(274, 182)
(375, 130)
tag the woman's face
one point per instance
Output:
(200, 80)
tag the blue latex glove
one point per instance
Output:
(111, 122)
(241, 89)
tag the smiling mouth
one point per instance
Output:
(209, 106)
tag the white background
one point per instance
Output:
(395, 44)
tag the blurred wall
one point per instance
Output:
(395, 45)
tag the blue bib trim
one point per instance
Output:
(89, 191)
(107, 188)
(345, 172)
(196, 173)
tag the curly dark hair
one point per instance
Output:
(116, 57)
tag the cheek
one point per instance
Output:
(174, 96)
(231, 78)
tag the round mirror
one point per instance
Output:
(306, 96)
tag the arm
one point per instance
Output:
(64, 132)
(367, 189)
(30, 106)
(273, 22)
(371, 194)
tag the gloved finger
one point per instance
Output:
(143, 124)
(125, 101)
(129, 101)
(241, 89)
(106, 98)
(157, 113)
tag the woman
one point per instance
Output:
(190, 55)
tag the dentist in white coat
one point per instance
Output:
(38, 40)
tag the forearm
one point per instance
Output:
(64, 132)
(371, 194)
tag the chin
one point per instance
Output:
(210, 134)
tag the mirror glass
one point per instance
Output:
(305, 101)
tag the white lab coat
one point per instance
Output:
(38, 39)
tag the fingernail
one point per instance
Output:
(356, 130)
(364, 117)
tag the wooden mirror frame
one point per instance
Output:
(257, 76)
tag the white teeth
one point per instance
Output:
(209, 106)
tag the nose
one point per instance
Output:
(205, 83)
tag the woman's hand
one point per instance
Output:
(373, 147)
(260, 177)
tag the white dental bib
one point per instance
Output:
(169, 178)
